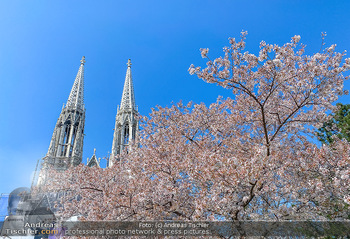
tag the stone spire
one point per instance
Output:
(66, 146)
(128, 97)
(76, 96)
(126, 124)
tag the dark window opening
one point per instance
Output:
(126, 134)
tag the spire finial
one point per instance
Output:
(129, 63)
(82, 61)
(94, 151)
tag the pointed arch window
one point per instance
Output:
(75, 127)
(126, 134)
(134, 133)
(65, 142)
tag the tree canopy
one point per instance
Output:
(237, 159)
(338, 125)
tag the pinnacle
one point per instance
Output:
(128, 97)
(76, 96)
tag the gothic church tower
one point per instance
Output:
(126, 124)
(66, 146)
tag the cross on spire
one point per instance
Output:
(82, 61)
(129, 63)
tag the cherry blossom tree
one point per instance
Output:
(242, 158)
(280, 95)
(281, 90)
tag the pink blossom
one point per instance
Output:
(296, 38)
(204, 52)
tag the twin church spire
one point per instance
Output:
(126, 123)
(66, 146)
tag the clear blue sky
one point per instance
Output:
(42, 43)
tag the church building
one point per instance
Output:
(66, 146)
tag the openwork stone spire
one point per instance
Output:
(126, 124)
(76, 96)
(66, 146)
(128, 97)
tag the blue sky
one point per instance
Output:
(42, 43)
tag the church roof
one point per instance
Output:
(76, 96)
